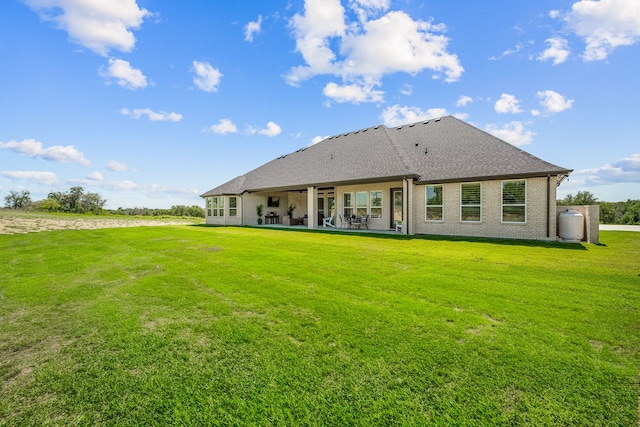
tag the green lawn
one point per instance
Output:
(193, 325)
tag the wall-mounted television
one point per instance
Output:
(273, 202)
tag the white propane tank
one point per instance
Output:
(571, 226)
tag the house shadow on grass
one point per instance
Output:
(373, 234)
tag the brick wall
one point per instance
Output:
(491, 224)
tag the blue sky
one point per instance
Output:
(153, 102)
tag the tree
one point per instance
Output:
(47, 205)
(18, 199)
(77, 201)
(607, 213)
(581, 198)
(632, 214)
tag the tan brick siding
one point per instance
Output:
(491, 224)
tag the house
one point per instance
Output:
(440, 176)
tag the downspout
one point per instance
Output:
(405, 203)
(548, 205)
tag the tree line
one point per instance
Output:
(627, 213)
(78, 201)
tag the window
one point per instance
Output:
(470, 202)
(376, 204)
(214, 204)
(233, 206)
(221, 206)
(217, 206)
(209, 206)
(361, 203)
(514, 201)
(347, 205)
(434, 203)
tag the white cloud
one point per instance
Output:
(252, 28)
(56, 153)
(44, 178)
(271, 130)
(406, 90)
(507, 104)
(352, 93)
(514, 133)
(558, 50)
(95, 24)
(207, 78)
(362, 52)
(398, 115)
(124, 74)
(604, 25)
(224, 127)
(621, 171)
(152, 115)
(95, 176)
(115, 166)
(463, 101)
(553, 102)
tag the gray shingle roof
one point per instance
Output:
(438, 150)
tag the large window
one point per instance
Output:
(514, 201)
(361, 203)
(470, 202)
(376, 204)
(347, 205)
(233, 206)
(434, 205)
(217, 206)
(209, 206)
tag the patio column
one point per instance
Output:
(312, 207)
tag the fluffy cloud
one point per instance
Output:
(604, 25)
(224, 127)
(56, 153)
(44, 178)
(507, 104)
(353, 93)
(557, 51)
(362, 52)
(95, 176)
(271, 130)
(553, 102)
(514, 133)
(463, 101)
(624, 170)
(115, 166)
(152, 115)
(94, 24)
(398, 115)
(124, 74)
(207, 78)
(252, 28)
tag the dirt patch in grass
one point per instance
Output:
(18, 225)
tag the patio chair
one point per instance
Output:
(328, 222)
(364, 221)
(399, 226)
(344, 222)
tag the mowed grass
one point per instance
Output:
(192, 325)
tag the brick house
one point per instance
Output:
(440, 176)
